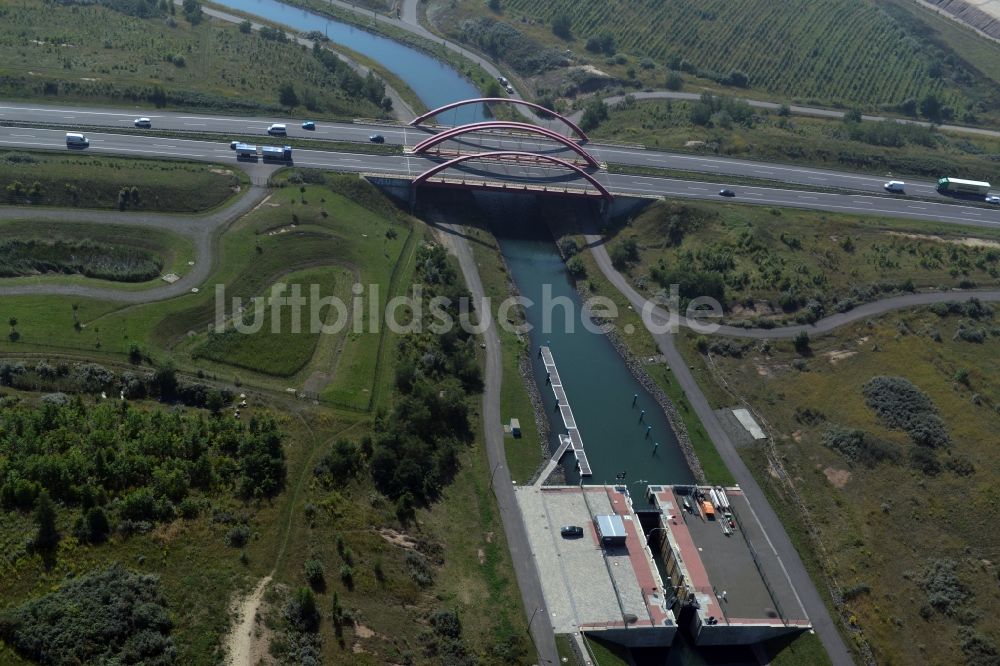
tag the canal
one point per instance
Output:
(599, 385)
(433, 81)
(624, 430)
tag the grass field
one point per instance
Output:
(85, 181)
(868, 146)
(835, 52)
(284, 349)
(776, 264)
(886, 528)
(89, 53)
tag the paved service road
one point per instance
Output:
(517, 537)
(78, 118)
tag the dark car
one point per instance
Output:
(727, 193)
(571, 531)
(376, 138)
(309, 125)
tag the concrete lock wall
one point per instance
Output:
(639, 637)
(736, 634)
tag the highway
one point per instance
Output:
(81, 118)
(409, 166)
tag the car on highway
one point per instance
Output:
(233, 144)
(309, 125)
(277, 129)
(510, 90)
(571, 531)
(145, 123)
(994, 199)
(895, 186)
(76, 140)
(726, 192)
(376, 138)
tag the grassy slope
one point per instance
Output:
(94, 54)
(796, 139)
(814, 48)
(884, 525)
(89, 181)
(778, 250)
(524, 455)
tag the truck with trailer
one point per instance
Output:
(959, 186)
(247, 151)
(276, 153)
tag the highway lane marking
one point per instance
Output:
(808, 198)
(816, 178)
(918, 207)
(24, 136)
(766, 173)
(195, 124)
(34, 145)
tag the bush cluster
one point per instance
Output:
(115, 616)
(138, 465)
(85, 257)
(509, 44)
(859, 446)
(416, 449)
(902, 406)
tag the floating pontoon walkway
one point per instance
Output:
(572, 439)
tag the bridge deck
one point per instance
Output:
(572, 438)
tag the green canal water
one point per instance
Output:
(620, 431)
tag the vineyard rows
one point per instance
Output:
(847, 51)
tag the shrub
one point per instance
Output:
(419, 569)
(945, 592)
(238, 536)
(314, 573)
(801, 342)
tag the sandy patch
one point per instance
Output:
(221, 172)
(797, 435)
(245, 646)
(838, 355)
(361, 631)
(694, 144)
(762, 371)
(281, 230)
(837, 477)
(967, 242)
(481, 554)
(397, 538)
(263, 202)
(489, 537)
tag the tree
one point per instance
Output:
(562, 26)
(494, 6)
(246, 27)
(134, 354)
(192, 11)
(96, 522)
(594, 114)
(215, 402)
(738, 79)
(674, 80)
(45, 518)
(164, 382)
(287, 96)
(930, 108)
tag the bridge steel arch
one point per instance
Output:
(501, 100)
(441, 137)
(438, 168)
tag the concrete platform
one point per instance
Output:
(616, 593)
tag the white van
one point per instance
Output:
(895, 186)
(76, 140)
(277, 130)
